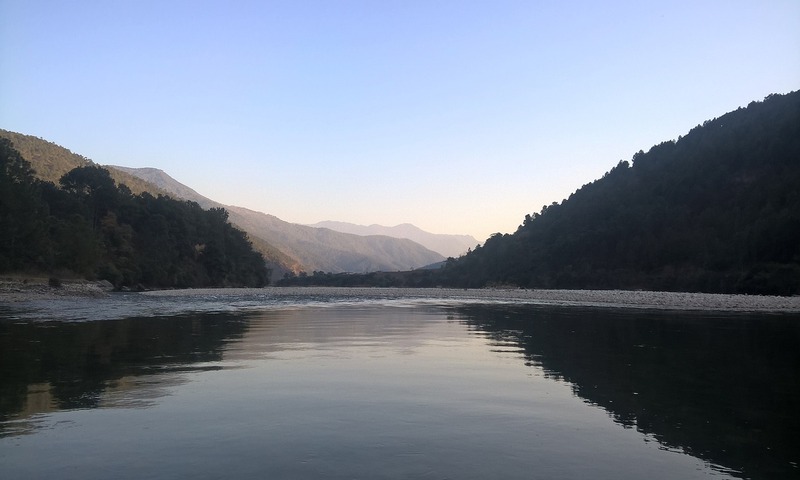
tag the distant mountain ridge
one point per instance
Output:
(444, 244)
(309, 248)
(265, 226)
(335, 252)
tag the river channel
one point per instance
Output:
(336, 384)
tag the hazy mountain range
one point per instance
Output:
(286, 246)
(443, 244)
(311, 249)
(447, 245)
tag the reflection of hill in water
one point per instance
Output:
(50, 366)
(722, 389)
(58, 365)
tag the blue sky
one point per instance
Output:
(457, 116)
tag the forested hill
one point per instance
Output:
(718, 210)
(50, 162)
(89, 226)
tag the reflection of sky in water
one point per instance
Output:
(339, 390)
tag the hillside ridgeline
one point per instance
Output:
(50, 162)
(718, 210)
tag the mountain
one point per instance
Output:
(165, 183)
(94, 228)
(50, 162)
(330, 251)
(718, 210)
(277, 259)
(446, 245)
(309, 248)
(285, 246)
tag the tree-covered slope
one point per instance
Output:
(286, 247)
(91, 227)
(718, 210)
(50, 162)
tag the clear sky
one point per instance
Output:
(457, 116)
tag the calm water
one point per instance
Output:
(309, 386)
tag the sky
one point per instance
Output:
(457, 116)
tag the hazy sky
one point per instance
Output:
(457, 116)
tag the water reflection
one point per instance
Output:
(725, 389)
(49, 366)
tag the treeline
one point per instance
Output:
(421, 278)
(718, 210)
(93, 228)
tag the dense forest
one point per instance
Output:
(718, 210)
(89, 226)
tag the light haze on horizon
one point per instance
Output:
(457, 116)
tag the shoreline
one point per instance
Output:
(640, 299)
(19, 289)
(16, 288)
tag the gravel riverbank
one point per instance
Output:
(596, 298)
(16, 290)
(20, 289)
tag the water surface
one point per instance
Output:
(255, 386)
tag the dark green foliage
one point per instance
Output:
(422, 278)
(95, 189)
(96, 229)
(716, 211)
(22, 213)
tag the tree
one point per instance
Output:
(95, 187)
(23, 230)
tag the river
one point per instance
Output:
(329, 383)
